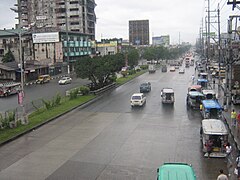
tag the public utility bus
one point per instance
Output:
(7, 89)
(174, 171)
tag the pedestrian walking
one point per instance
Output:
(193, 77)
(228, 150)
(233, 117)
(238, 166)
(222, 176)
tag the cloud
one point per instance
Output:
(165, 17)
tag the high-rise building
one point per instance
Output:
(139, 32)
(52, 14)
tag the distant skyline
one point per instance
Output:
(165, 17)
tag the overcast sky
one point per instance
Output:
(166, 17)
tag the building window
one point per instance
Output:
(74, 23)
(74, 9)
(74, 16)
(73, 2)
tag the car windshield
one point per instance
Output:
(144, 84)
(136, 97)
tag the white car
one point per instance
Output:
(138, 99)
(172, 69)
(65, 80)
(181, 71)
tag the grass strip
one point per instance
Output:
(123, 80)
(42, 115)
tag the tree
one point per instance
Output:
(8, 57)
(133, 57)
(99, 70)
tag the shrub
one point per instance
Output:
(124, 73)
(47, 104)
(130, 72)
(84, 90)
(2, 122)
(33, 104)
(144, 66)
(113, 78)
(57, 100)
(73, 93)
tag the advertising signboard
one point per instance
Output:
(49, 37)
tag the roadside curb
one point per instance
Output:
(49, 120)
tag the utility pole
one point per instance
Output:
(208, 34)
(229, 59)
(202, 39)
(219, 50)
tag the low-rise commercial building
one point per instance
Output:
(43, 52)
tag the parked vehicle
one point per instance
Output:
(214, 130)
(65, 80)
(145, 87)
(194, 99)
(211, 109)
(151, 68)
(203, 83)
(43, 79)
(167, 95)
(209, 94)
(138, 99)
(174, 171)
(7, 89)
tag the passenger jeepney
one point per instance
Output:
(43, 79)
(167, 95)
(194, 99)
(7, 89)
(195, 88)
(209, 94)
(203, 75)
(211, 109)
(203, 83)
(170, 171)
(216, 131)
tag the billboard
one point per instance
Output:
(49, 37)
(161, 40)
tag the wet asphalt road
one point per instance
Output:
(110, 140)
(39, 91)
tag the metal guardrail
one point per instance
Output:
(104, 89)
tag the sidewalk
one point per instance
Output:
(234, 131)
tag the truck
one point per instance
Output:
(151, 68)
